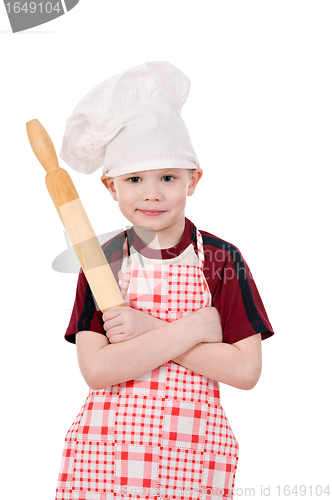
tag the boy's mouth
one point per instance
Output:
(152, 213)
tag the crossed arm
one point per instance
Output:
(140, 343)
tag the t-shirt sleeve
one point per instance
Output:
(85, 315)
(238, 302)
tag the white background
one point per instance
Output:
(259, 114)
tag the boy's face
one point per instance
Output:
(156, 198)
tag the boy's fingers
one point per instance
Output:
(114, 330)
(112, 313)
(116, 338)
(112, 324)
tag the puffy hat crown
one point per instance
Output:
(131, 122)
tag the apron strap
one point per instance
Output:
(200, 249)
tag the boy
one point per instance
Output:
(153, 417)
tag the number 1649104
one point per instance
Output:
(33, 7)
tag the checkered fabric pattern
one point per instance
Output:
(136, 467)
(153, 383)
(72, 433)
(219, 436)
(182, 384)
(163, 435)
(214, 392)
(66, 468)
(167, 291)
(147, 288)
(97, 422)
(64, 494)
(184, 425)
(180, 473)
(139, 420)
(218, 476)
(185, 289)
(93, 467)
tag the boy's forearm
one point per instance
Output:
(117, 363)
(224, 363)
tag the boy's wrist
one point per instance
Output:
(190, 325)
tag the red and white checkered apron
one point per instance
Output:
(163, 435)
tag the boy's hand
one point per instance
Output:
(124, 323)
(206, 322)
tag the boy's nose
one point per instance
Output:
(151, 193)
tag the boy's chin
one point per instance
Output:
(144, 231)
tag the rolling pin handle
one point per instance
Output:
(42, 145)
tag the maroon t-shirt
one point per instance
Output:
(233, 290)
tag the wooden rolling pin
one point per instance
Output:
(75, 220)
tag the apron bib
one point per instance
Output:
(163, 435)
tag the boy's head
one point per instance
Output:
(131, 125)
(154, 198)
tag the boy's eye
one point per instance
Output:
(134, 179)
(167, 178)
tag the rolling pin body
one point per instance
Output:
(75, 220)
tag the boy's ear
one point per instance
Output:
(109, 184)
(195, 177)
(104, 180)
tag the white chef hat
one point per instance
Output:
(131, 122)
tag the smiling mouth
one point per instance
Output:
(152, 213)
